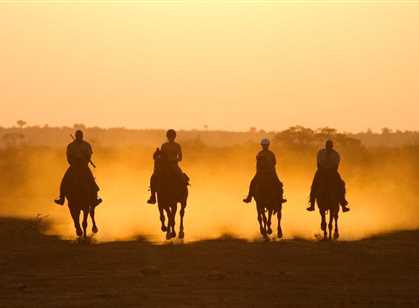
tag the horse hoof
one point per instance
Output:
(163, 229)
(280, 234)
(181, 235)
(95, 229)
(336, 236)
(269, 231)
(173, 234)
(79, 232)
(168, 236)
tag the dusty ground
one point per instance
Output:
(43, 271)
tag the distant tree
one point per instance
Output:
(327, 131)
(21, 123)
(253, 130)
(296, 135)
(386, 131)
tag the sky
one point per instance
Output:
(231, 65)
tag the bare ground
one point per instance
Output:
(44, 271)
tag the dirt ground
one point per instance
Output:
(44, 271)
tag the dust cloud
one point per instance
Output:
(382, 191)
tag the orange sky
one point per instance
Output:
(227, 64)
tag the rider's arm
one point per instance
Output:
(179, 155)
(319, 159)
(337, 160)
(69, 155)
(163, 148)
(89, 152)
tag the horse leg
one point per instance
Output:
(181, 229)
(279, 215)
(336, 234)
(84, 223)
(75, 214)
(92, 215)
(260, 220)
(174, 210)
(169, 223)
(331, 216)
(162, 219)
(323, 224)
(269, 231)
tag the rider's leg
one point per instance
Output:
(343, 201)
(63, 188)
(280, 187)
(94, 187)
(251, 193)
(314, 187)
(96, 199)
(152, 199)
(182, 176)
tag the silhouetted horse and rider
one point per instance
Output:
(169, 185)
(267, 190)
(79, 185)
(328, 189)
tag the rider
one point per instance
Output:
(265, 165)
(172, 151)
(328, 163)
(79, 154)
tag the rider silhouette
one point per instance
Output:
(172, 152)
(79, 154)
(327, 164)
(265, 166)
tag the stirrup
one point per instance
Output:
(312, 207)
(345, 209)
(60, 201)
(152, 200)
(247, 200)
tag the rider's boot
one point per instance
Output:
(248, 199)
(312, 207)
(152, 199)
(60, 200)
(98, 201)
(344, 204)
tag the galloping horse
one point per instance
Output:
(328, 201)
(80, 199)
(268, 201)
(171, 190)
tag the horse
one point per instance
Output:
(171, 189)
(80, 199)
(269, 199)
(328, 201)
